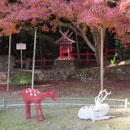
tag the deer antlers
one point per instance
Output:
(99, 99)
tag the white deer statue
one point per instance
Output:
(97, 111)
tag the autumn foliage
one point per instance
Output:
(93, 13)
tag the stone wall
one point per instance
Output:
(4, 73)
(115, 73)
(82, 75)
(118, 73)
(3, 77)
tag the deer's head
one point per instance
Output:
(52, 95)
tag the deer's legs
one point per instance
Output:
(41, 111)
(37, 113)
(27, 110)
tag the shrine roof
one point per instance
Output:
(64, 40)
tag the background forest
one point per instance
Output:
(46, 47)
(83, 18)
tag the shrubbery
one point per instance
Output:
(23, 78)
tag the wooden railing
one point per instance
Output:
(85, 57)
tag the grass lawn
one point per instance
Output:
(65, 117)
(62, 118)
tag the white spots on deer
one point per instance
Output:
(32, 92)
(88, 107)
(35, 94)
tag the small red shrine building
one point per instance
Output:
(65, 45)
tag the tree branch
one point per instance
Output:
(79, 32)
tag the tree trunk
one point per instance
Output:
(97, 53)
(97, 40)
(78, 53)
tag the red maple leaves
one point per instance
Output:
(94, 13)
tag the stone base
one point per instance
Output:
(64, 64)
(63, 68)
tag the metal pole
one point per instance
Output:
(101, 59)
(21, 59)
(8, 78)
(34, 51)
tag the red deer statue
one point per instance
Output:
(32, 95)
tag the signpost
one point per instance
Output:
(21, 46)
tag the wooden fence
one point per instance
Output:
(115, 103)
(85, 57)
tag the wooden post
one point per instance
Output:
(8, 78)
(34, 53)
(101, 59)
